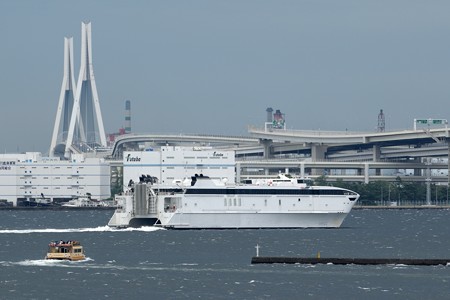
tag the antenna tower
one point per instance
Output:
(381, 122)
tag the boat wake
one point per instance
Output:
(91, 264)
(45, 262)
(94, 229)
(50, 262)
(113, 267)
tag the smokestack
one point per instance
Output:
(269, 111)
(127, 116)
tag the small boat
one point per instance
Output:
(88, 202)
(83, 201)
(42, 201)
(70, 250)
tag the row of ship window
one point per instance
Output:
(46, 177)
(267, 192)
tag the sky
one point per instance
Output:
(214, 67)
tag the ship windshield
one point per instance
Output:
(171, 203)
(307, 182)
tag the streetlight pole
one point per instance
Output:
(436, 200)
(389, 193)
(382, 200)
(428, 181)
(446, 202)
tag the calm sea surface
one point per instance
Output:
(153, 263)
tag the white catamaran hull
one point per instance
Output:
(252, 220)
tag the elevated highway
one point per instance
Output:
(340, 138)
(363, 171)
(134, 141)
(316, 151)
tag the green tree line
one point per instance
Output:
(382, 192)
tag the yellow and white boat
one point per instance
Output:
(70, 250)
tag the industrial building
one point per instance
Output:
(30, 176)
(171, 163)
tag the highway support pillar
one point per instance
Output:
(318, 154)
(267, 147)
(302, 170)
(238, 172)
(418, 172)
(448, 163)
(376, 158)
(366, 173)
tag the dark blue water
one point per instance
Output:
(215, 264)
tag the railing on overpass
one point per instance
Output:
(347, 137)
(192, 139)
(351, 178)
(252, 128)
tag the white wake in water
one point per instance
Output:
(50, 262)
(46, 263)
(95, 229)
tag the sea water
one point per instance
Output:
(149, 263)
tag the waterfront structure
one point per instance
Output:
(29, 176)
(86, 131)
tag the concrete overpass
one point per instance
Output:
(343, 138)
(315, 151)
(136, 141)
(364, 171)
(340, 146)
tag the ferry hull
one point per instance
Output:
(65, 256)
(253, 220)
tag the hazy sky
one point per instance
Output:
(215, 66)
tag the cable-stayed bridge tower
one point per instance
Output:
(86, 129)
(65, 103)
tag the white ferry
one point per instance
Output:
(280, 203)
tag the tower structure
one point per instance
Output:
(127, 116)
(86, 129)
(65, 103)
(278, 120)
(269, 111)
(381, 122)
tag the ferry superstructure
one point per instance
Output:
(208, 204)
